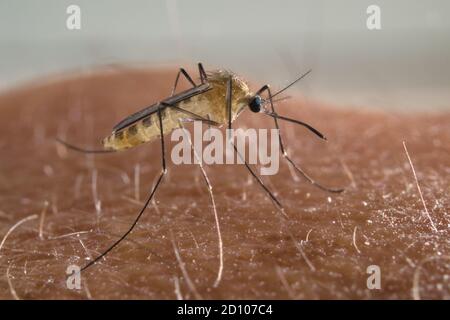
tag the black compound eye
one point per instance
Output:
(255, 104)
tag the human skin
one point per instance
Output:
(321, 251)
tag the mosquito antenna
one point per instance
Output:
(292, 83)
(276, 116)
(75, 148)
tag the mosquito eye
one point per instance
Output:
(255, 104)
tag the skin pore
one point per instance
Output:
(60, 208)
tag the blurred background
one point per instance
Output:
(404, 66)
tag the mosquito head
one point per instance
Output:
(255, 103)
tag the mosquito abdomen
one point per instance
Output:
(210, 105)
(140, 132)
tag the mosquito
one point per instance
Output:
(219, 98)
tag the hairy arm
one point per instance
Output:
(59, 208)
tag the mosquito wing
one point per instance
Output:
(173, 100)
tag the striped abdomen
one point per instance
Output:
(142, 131)
(147, 129)
(210, 105)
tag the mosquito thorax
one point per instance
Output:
(255, 104)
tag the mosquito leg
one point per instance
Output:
(201, 71)
(285, 155)
(257, 178)
(82, 150)
(152, 193)
(193, 116)
(213, 203)
(186, 75)
(209, 126)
